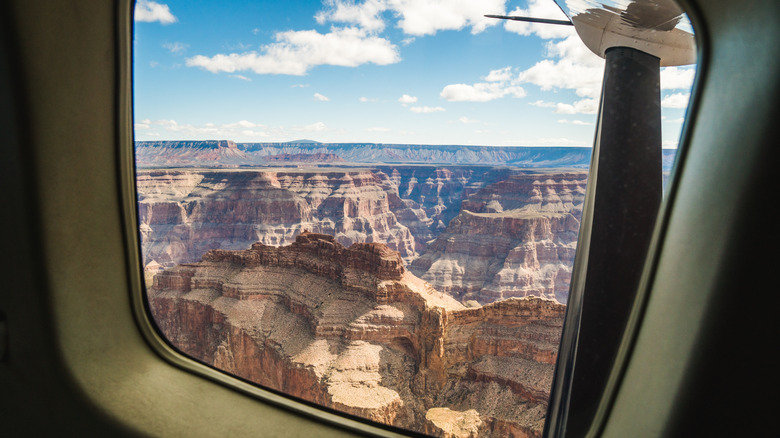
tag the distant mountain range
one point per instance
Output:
(225, 153)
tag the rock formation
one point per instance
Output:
(184, 213)
(190, 153)
(318, 157)
(225, 153)
(351, 329)
(513, 238)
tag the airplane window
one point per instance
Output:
(374, 206)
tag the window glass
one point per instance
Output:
(370, 205)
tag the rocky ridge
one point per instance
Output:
(184, 153)
(350, 328)
(175, 153)
(318, 157)
(189, 153)
(512, 238)
(184, 213)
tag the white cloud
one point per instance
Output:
(676, 78)
(415, 17)
(543, 104)
(240, 124)
(295, 52)
(366, 15)
(378, 129)
(149, 11)
(251, 133)
(480, 92)
(176, 47)
(575, 122)
(465, 119)
(407, 99)
(554, 141)
(426, 109)
(499, 83)
(584, 106)
(242, 77)
(314, 127)
(570, 66)
(236, 130)
(576, 69)
(367, 99)
(320, 97)
(676, 100)
(501, 74)
(540, 9)
(426, 17)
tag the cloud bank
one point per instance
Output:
(148, 11)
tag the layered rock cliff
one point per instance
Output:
(352, 329)
(184, 213)
(190, 153)
(513, 238)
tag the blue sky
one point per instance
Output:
(385, 71)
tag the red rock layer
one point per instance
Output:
(513, 238)
(184, 213)
(351, 329)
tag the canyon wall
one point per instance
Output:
(512, 238)
(189, 153)
(350, 328)
(184, 213)
(479, 233)
(225, 153)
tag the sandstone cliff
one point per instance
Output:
(190, 153)
(184, 213)
(303, 158)
(512, 238)
(351, 329)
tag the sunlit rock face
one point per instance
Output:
(513, 238)
(350, 328)
(189, 153)
(478, 233)
(184, 213)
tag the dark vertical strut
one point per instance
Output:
(623, 197)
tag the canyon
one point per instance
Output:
(185, 212)
(225, 153)
(513, 238)
(429, 297)
(513, 230)
(352, 329)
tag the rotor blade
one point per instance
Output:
(532, 20)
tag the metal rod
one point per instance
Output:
(622, 201)
(532, 20)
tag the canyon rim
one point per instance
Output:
(426, 294)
